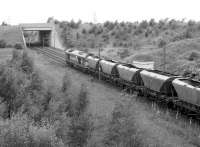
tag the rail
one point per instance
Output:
(55, 55)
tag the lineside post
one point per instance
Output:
(99, 65)
(54, 38)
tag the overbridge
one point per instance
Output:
(38, 34)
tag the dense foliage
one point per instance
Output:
(126, 34)
(33, 113)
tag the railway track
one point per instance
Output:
(58, 56)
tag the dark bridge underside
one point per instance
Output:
(38, 38)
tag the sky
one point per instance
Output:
(38, 11)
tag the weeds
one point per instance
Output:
(82, 101)
(66, 83)
(19, 131)
(122, 130)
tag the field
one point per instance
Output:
(11, 35)
(5, 54)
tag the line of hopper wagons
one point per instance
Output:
(161, 86)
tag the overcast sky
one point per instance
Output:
(28, 11)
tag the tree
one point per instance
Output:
(143, 24)
(66, 83)
(84, 31)
(79, 132)
(67, 37)
(162, 43)
(11, 88)
(82, 101)
(50, 20)
(2, 44)
(4, 24)
(152, 22)
(27, 63)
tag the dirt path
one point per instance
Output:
(156, 128)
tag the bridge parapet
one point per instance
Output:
(37, 26)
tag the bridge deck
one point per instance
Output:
(36, 26)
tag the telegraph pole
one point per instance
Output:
(99, 66)
(95, 22)
(54, 36)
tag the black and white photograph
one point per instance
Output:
(99, 73)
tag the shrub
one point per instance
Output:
(16, 56)
(184, 35)
(66, 83)
(2, 44)
(21, 86)
(122, 130)
(144, 24)
(12, 88)
(124, 53)
(18, 46)
(9, 46)
(162, 43)
(82, 101)
(27, 63)
(84, 31)
(19, 131)
(77, 126)
(193, 56)
(79, 131)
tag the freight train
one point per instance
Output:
(161, 86)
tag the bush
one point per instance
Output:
(161, 43)
(27, 63)
(82, 101)
(193, 56)
(11, 89)
(21, 86)
(124, 53)
(16, 56)
(20, 132)
(9, 46)
(18, 46)
(84, 31)
(66, 83)
(122, 130)
(76, 127)
(2, 44)
(79, 131)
